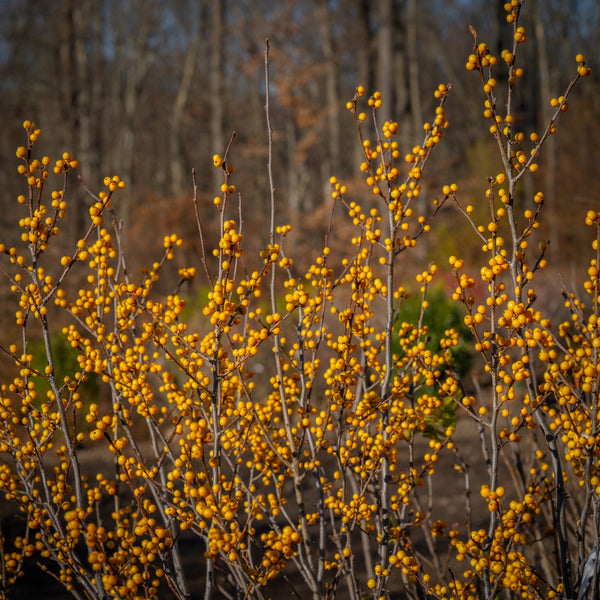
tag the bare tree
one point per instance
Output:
(216, 79)
(178, 175)
(412, 53)
(332, 97)
(385, 55)
(133, 59)
(544, 110)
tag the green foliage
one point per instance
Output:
(443, 417)
(66, 363)
(435, 320)
(441, 315)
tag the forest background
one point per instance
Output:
(149, 90)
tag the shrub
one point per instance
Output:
(438, 313)
(325, 474)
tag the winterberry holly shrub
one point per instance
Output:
(187, 471)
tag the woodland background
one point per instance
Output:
(148, 90)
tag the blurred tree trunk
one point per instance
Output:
(544, 111)
(414, 86)
(254, 69)
(97, 107)
(365, 49)
(177, 158)
(76, 23)
(596, 56)
(499, 28)
(133, 58)
(414, 121)
(385, 57)
(403, 84)
(332, 96)
(294, 200)
(216, 79)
